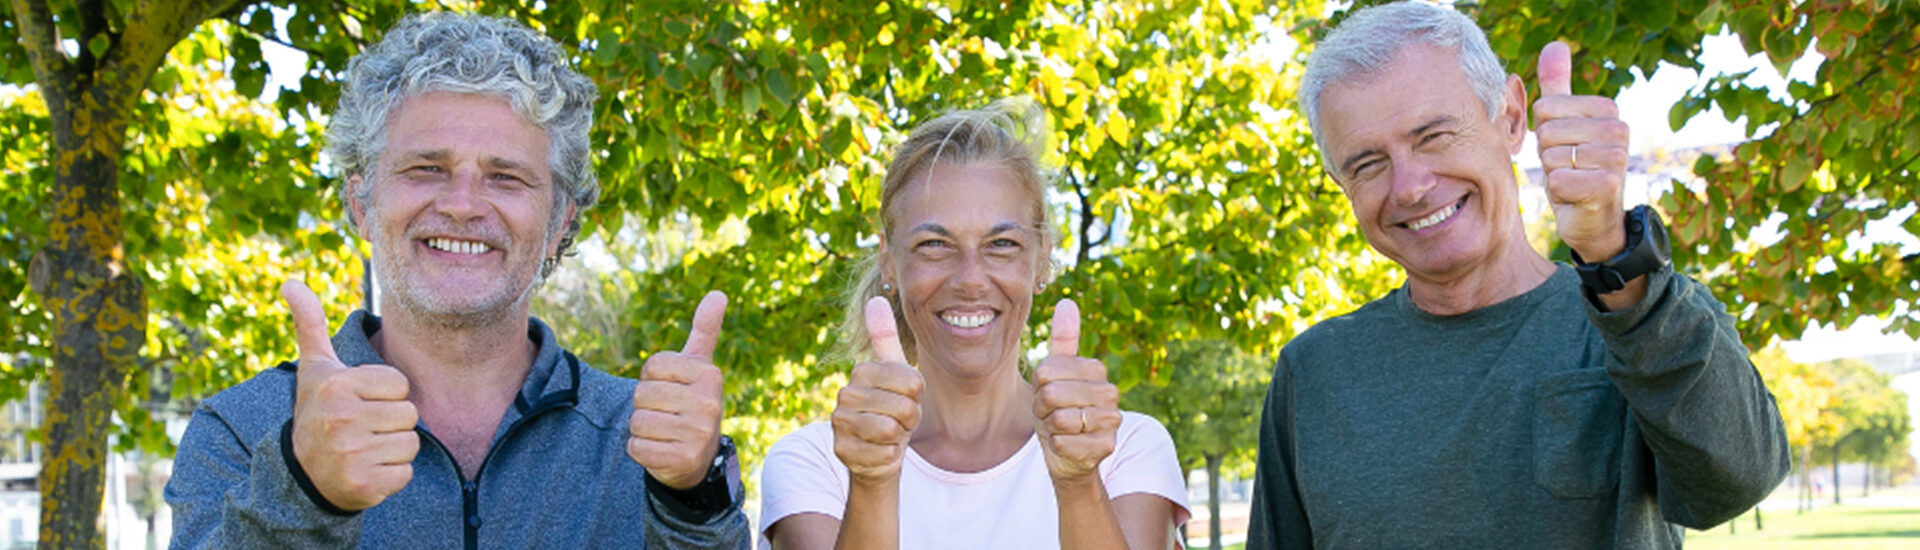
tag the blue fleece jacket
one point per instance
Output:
(557, 474)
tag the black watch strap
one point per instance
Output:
(716, 493)
(1647, 251)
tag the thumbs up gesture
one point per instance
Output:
(875, 414)
(352, 427)
(1076, 410)
(1583, 152)
(675, 428)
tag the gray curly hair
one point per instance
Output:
(1370, 38)
(448, 52)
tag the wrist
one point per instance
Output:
(1079, 483)
(1612, 283)
(1601, 249)
(718, 491)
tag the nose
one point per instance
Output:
(1412, 179)
(972, 280)
(461, 197)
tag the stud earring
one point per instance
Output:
(886, 288)
(1041, 289)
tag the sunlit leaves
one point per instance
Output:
(1779, 226)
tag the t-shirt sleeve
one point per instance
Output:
(1143, 461)
(801, 475)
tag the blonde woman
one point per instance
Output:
(938, 440)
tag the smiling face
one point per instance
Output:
(1429, 176)
(966, 255)
(461, 210)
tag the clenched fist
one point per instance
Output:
(1076, 411)
(675, 428)
(874, 417)
(352, 426)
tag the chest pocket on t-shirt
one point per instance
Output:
(1576, 434)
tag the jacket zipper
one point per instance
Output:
(470, 490)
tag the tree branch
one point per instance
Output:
(1086, 218)
(152, 30)
(312, 53)
(93, 22)
(50, 65)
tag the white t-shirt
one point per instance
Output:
(1007, 506)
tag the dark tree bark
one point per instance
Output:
(82, 275)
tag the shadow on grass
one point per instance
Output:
(1907, 534)
(1882, 511)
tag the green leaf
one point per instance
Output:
(780, 86)
(750, 100)
(98, 45)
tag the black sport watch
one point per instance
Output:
(718, 492)
(1648, 250)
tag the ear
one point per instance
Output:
(1043, 266)
(884, 256)
(356, 208)
(553, 242)
(1512, 119)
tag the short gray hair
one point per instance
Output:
(1370, 38)
(448, 52)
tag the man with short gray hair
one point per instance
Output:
(1498, 399)
(453, 419)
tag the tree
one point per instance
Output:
(1873, 416)
(765, 121)
(1210, 401)
(1806, 399)
(109, 123)
(1826, 160)
(158, 188)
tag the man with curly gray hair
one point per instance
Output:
(1499, 399)
(453, 417)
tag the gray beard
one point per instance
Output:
(397, 286)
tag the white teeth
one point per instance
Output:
(1437, 217)
(967, 321)
(459, 247)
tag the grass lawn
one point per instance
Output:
(1829, 528)
(1891, 523)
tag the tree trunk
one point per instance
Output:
(87, 283)
(1805, 500)
(1213, 501)
(1836, 473)
(99, 315)
(1756, 519)
(1866, 480)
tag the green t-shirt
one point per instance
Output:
(1538, 422)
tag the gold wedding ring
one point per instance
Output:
(1083, 421)
(1574, 156)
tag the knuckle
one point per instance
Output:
(1615, 130)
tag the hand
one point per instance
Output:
(352, 427)
(675, 428)
(1585, 197)
(1076, 410)
(874, 417)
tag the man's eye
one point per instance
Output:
(426, 168)
(1004, 243)
(1368, 169)
(1432, 138)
